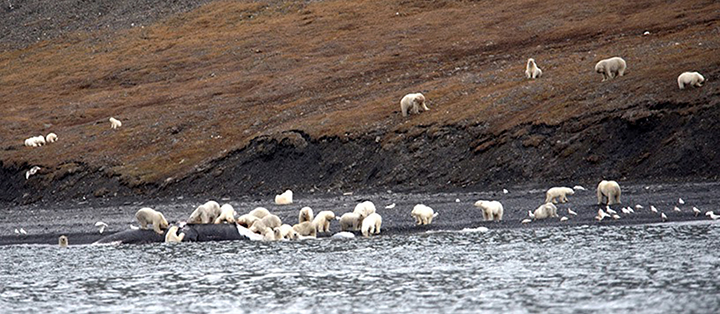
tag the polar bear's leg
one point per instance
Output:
(415, 108)
(156, 227)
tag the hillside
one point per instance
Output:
(233, 98)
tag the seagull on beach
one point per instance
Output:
(663, 217)
(601, 215)
(32, 171)
(677, 209)
(101, 226)
(653, 209)
(638, 206)
(505, 191)
(526, 221)
(563, 218)
(696, 211)
(571, 212)
(616, 216)
(712, 215)
(530, 213)
(579, 188)
(610, 210)
(391, 206)
(134, 227)
(680, 200)
(21, 231)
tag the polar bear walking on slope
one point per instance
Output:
(114, 123)
(608, 192)
(415, 101)
(531, 69)
(561, 193)
(491, 210)
(610, 68)
(690, 78)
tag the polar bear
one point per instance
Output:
(227, 214)
(51, 137)
(608, 192)
(259, 212)
(246, 220)
(545, 210)
(610, 68)
(114, 123)
(285, 198)
(35, 141)
(205, 213)
(350, 222)
(287, 232)
(423, 214)
(63, 241)
(371, 225)
(146, 216)
(272, 234)
(690, 78)
(491, 210)
(306, 229)
(531, 69)
(364, 209)
(555, 193)
(270, 221)
(306, 214)
(415, 101)
(322, 220)
(172, 237)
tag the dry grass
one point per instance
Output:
(195, 86)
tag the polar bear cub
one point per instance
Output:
(305, 229)
(287, 232)
(350, 222)
(531, 69)
(364, 209)
(172, 237)
(227, 214)
(610, 68)
(608, 192)
(491, 210)
(413, 101)
(285, 198)
(322, 220)
(691, 79)
(114, 123)
(371, 225)
(51, 137)
(306, 214)
(555, 193)
(146, 216)
(268, 222)
(545, 210)
(205, 213)
(423, 214)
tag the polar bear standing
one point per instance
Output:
(114, 123)
(531, 69)
(371, 225)
(172, 237)
(350, 222)
(285, 198)
(491, 210)
(205, 213)
(608, 192)
(227, 214)
(690, 78)
(610, 68)
(63, 241)
(423, 214)
(51, 137)
(415, 101)
(306, 214)
(306, 229)
(322, 220)
(364, 209)
(546, 210)
(553, 194)
(146, 216)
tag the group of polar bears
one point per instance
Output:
(616, 66)
(37, 141)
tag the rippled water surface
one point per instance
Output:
(668, 268)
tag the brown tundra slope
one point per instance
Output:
(231, 98)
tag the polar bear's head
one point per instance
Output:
(420, 99)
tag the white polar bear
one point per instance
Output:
(146, 216)
(35, 141)
(227, 214)
(259, 212)
(423, 214)
(246, 220)
(690, 78)
(285, 198)
(608, 192)
(415, 101)
(287, 232)
(306, 229)
(306, 214)
(114, 123)
(267, 222)
(63, 241)
(555, 193)
(322, 220)
(610, 68)
(272, 234)
(350, 222)
(531, 69)
(491, 210)
(545, 210)
(172, 237)
(51, 137)
(205, 213)
(371, 225)
(364, 209)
